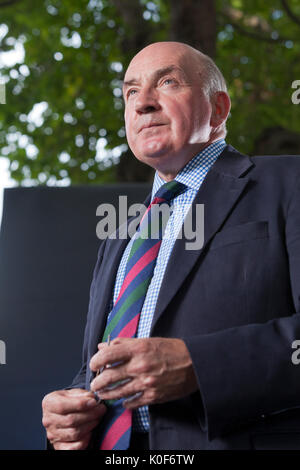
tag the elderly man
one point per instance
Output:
(201, 339)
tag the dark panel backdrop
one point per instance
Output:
(48, 249)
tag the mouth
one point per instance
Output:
(151, 125)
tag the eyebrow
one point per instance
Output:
(157, 74)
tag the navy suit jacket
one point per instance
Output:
(235, 302)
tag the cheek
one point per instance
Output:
(191, 123)
(127, 121)
(202, 112)
(132, 141)
(129, 129)
(184, 113)
(183, 123)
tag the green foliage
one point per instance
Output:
(73, 56)
(78, 89)
(259, 72)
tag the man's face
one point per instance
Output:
(167, 113)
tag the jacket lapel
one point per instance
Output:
(218, 193)
(106, 281)
(104, 290)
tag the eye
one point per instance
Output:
(131, 92)
(168, 81)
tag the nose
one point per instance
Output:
(147, 101)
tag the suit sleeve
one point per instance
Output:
(79, 379)
(245, 373)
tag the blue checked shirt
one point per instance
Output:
(192, 175)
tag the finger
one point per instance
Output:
(138, 400)
(110, 377)
(51, 420)
(75, 392)
(71, 434)
(79, 445)
(132, 399)
(68, 403)
(149, 396)
(114, 342)
(119, 351)
(122, 391)
(115, 353)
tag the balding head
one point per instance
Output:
(175, 104)
(212, 79)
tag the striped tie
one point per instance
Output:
(124, 317)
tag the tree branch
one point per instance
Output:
(289, 12)
(254, 34)
(8, 3)
(138, 35)
(139, 31)
(194, 23)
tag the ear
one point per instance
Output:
(220, 108)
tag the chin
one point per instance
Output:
(151, 158)
(162, 162)
(154, 151)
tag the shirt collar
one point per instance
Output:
(190, 174)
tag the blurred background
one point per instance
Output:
(62, 63)
(63, 151)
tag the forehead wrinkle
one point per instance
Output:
(155, 75)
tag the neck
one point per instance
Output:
(168, 174)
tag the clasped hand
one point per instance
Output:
(148, 370)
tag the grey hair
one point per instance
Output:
(212, 79)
